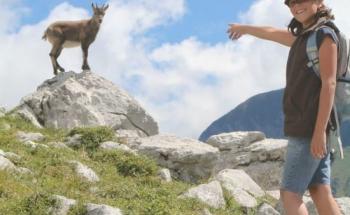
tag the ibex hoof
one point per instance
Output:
(85, 67)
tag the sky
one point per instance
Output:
(173, 56)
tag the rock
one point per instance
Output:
(234, 140)
(74, 141)
(23, 137)
(262, 161)
(58, 145)
(129, 137)
(85, 172)
(94, 209)
(238, 178)
(6, 164)
(34, 145)
(268, 150)
(165, 175)
(344, 204)
(187, 159)
(240, 186)
(62, 205)
(23, 170)
(11, 156)
(85, 99)
(241, 196)
(109, 145)
(27, 113)
(267, 174)
(274, 194)
(210, 194)
(266, 209)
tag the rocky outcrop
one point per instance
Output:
(187, 159)
(74, 100)
(261, 158)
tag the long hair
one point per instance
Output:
(296, 28)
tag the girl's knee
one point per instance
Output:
(320, 189)
(285, 194)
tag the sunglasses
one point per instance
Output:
(292, 3)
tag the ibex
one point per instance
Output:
(68, 34)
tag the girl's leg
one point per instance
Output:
(293, 203)
(322, 196)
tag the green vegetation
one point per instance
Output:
(91, 138)
(128, 182)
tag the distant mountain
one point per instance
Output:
(262, 112)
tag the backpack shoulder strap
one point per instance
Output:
(312, 49)
(312, 53)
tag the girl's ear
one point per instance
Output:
(321, 6)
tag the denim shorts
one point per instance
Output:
(301, 170)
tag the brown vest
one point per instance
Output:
(302, 92)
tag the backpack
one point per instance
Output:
(341, 106)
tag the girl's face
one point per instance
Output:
(304, 11)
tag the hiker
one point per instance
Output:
(307, 103)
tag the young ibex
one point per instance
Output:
(68, 34)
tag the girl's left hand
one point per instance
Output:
(318, 145)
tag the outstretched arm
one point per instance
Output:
(281, 36)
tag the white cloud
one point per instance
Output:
(184, 85)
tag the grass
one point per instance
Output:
(127, 181)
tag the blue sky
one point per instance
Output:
(206, 19)
(173, 56)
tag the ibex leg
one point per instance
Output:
(58, 54)
(85, 49)
(53, 55)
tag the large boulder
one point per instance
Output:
(75, 100)
(187, 159)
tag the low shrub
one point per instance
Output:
(92, 137)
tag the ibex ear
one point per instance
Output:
(93, 6)
(106, 7)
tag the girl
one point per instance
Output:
(307, 104)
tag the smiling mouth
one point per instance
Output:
(300, 12)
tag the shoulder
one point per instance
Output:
(324, 32)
